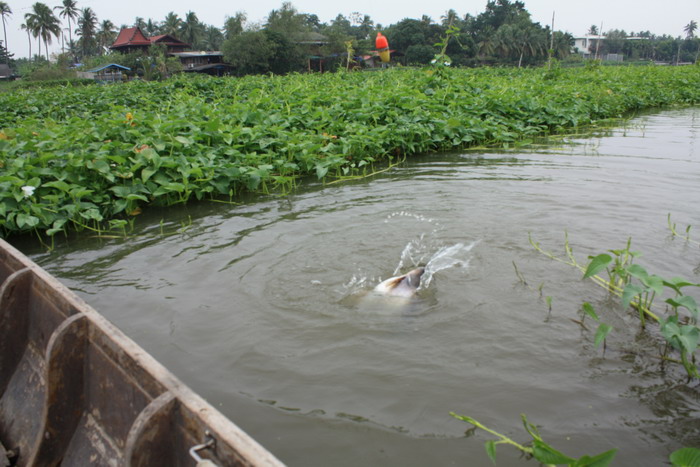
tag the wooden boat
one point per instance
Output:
(74, 390)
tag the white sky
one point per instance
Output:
(575, 17)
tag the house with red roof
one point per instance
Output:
(133, 39)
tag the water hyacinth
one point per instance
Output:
(98, 154)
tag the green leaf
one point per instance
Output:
(655, 283)
(689, 337)
(183, 140)
(121, 191)
(628, 294)
(601, 460)
(546, 454)
(26, 221)
(677, 283)
(685, 301)
(601, 333)
(685, 457)
(147, 173)
(670, 330)
(588, 309)
(321, 171)
(597, 264)
(491, 450)
(637, 271)
(60, 184)
(92, 213)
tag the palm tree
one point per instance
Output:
(171, 25)
(87, 28)
(562, 44)
(213, 38)
(233, 25)
(5, 11)
(69, 10)
(593, 30)
(28, 28)
(151, 28)
(690, 29)
(106, 35)
(44, 24)
(192, 30)
(449, 18)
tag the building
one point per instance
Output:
(208, 62)
(133, 40)
(112, 73)
(211, 63)
(586, 45)
(6, 73)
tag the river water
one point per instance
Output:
(265, 308)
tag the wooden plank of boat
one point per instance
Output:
(75, 391)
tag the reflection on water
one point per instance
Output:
(249, 304)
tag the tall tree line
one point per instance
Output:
(504, 33)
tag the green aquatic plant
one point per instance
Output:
(76, 158)
(543, 452)
(675, 233)
(603, 329)
(637, 288)
(539, 449)
(685, 457)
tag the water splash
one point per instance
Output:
(457, 255)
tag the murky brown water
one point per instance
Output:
(259, 306)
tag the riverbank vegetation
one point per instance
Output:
(288, 40)
(95, 156)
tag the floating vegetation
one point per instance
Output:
(548, 455)
(637, 288)
(540, 450)
(675, 233)
(93, 157)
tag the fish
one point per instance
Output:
(404, 286)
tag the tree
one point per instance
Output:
(28, 28)
(191, 30)
(286, 56)
(151, 28)
(44, 25)
(406, 33)
(249, 52)
(5, 56)
(213, 38)
(87, 30)
(450, 17)
(420, 54)
(140, 23)
(68, 10)
(563, 42)
(233, 25)
(690, 29)
(106, 35)
(614, 42)
(5, 10)
(171, 25)
(593, 30)
(286, 21)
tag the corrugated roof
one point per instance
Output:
(111, 65)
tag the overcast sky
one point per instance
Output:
(573, 16)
